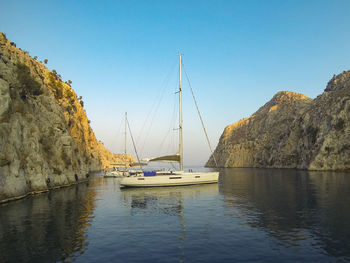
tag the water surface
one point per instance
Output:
(251, 215)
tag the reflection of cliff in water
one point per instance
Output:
(292, 206)
(47, 227)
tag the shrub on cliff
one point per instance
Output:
(28, 84)
(55, 84)
(69, 108)
(69, 94)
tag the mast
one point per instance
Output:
(125, 140)
(180, 116)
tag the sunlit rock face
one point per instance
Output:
(45, 137)
(292, 131)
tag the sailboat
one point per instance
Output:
(170, 178)
(121, 169)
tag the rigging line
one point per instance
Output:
(174, 117)
(173, 166)
(173, 143)
(156, 105)
(163, 140)
(133, 143)
(170, 128)
(200, 116)
(164, 85)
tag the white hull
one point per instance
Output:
(115, 174)
(121, 173)
(111, 175)
(171, 179)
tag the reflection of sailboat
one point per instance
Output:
(161, 192)
(167, 200)
(167, 204)
(149, 179)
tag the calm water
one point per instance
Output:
(252, 215)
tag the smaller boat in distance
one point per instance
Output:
(170, 178)
(115, 172)
(121, 169)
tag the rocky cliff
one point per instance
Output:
(45, 137)
(292, 131)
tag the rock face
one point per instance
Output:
(45, 137)
(292, 131)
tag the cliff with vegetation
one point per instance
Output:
(292, 131)
(45, 137)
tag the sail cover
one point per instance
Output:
(166, 158)
(138, 164)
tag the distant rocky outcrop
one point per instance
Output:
(45, 137)
(292, 131)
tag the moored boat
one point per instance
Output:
(170, 178)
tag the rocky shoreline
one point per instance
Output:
(292, 131)
(14, 198)
(45, 136)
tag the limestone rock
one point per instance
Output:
(4, 97)
(45, 137)
(292, 131)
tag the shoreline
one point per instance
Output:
(15, 198)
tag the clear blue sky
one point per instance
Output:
(238, 55)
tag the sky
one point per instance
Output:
(122, 56)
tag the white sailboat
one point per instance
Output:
(120, 169)
(171, 178)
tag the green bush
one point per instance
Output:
(69, 108)
(29, 85)
(56, 85)
(69, 93)
(59, 90)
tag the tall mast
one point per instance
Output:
(180, 117)
(125, 140)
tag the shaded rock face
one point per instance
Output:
(292, 131)
(45, 137)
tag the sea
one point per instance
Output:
(250, 215)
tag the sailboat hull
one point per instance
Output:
(171, 179)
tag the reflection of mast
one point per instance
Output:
(168, 201)
(182, 235)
